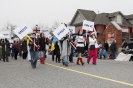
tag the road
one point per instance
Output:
(106, 74)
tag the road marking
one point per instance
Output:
(96, 76)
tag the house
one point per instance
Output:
(102, 21)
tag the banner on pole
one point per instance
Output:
(88, 25)
(5, 34)
(61, 31)
(71, 28)
(22, 30)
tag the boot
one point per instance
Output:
(78, 61)
(40, 60)
(81, 61)
(7, 59)
(43, 60)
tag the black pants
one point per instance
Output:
(5, 57)
(58, 56)
(16, 54)
(53, 55)
(25, 55)
(71, 57)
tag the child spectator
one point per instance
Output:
(104, 53)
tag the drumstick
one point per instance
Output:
(73, 45)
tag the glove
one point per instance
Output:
(32, 42)
(38, 47)
(73, 43)
(86, 39)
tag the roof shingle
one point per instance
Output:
(102, 19)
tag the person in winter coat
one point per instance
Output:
(113, 49)
(5, 50)
(79, 41)
(42, 43)
(24, 48)
(106, 46)
(34, 50)
(16, 47)
(57, 50)
(104, 53)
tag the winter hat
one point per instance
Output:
(91, 33)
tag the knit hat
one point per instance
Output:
(91, 33)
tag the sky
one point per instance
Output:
(46, 12)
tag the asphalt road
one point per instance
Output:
(106, 74)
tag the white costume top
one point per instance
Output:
(79, 41)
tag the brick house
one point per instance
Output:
(104, 20)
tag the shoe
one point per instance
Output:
(78, 61)
(88, 62)
(94, 63)
(81, 61)
(33, 67)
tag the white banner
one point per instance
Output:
(88, 25)
(61, 31)
(22, 30)
(71, 28)
(5, 34)
(45, 31)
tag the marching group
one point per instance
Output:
(34, 48)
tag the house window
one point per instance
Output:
(123, 36)
(119, 19)
(131, 36)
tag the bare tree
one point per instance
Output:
(9, 26)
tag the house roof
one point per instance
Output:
(102, 19)
(129, 16)
(113, 14)
(86, 14)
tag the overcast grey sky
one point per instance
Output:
(48, 11)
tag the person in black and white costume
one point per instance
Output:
(79, 41)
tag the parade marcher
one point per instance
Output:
(42, 43)
(0, 49)
(24, 48)
(79, 41)
(92, 49)
(28, 49)
(65, 50)
(72, 49)
(16, 48)
(11, 44)
(5, 50)
(57, 50)
(34, 50)
(113, 48)
(54, 39)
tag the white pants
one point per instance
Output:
(29, 56)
